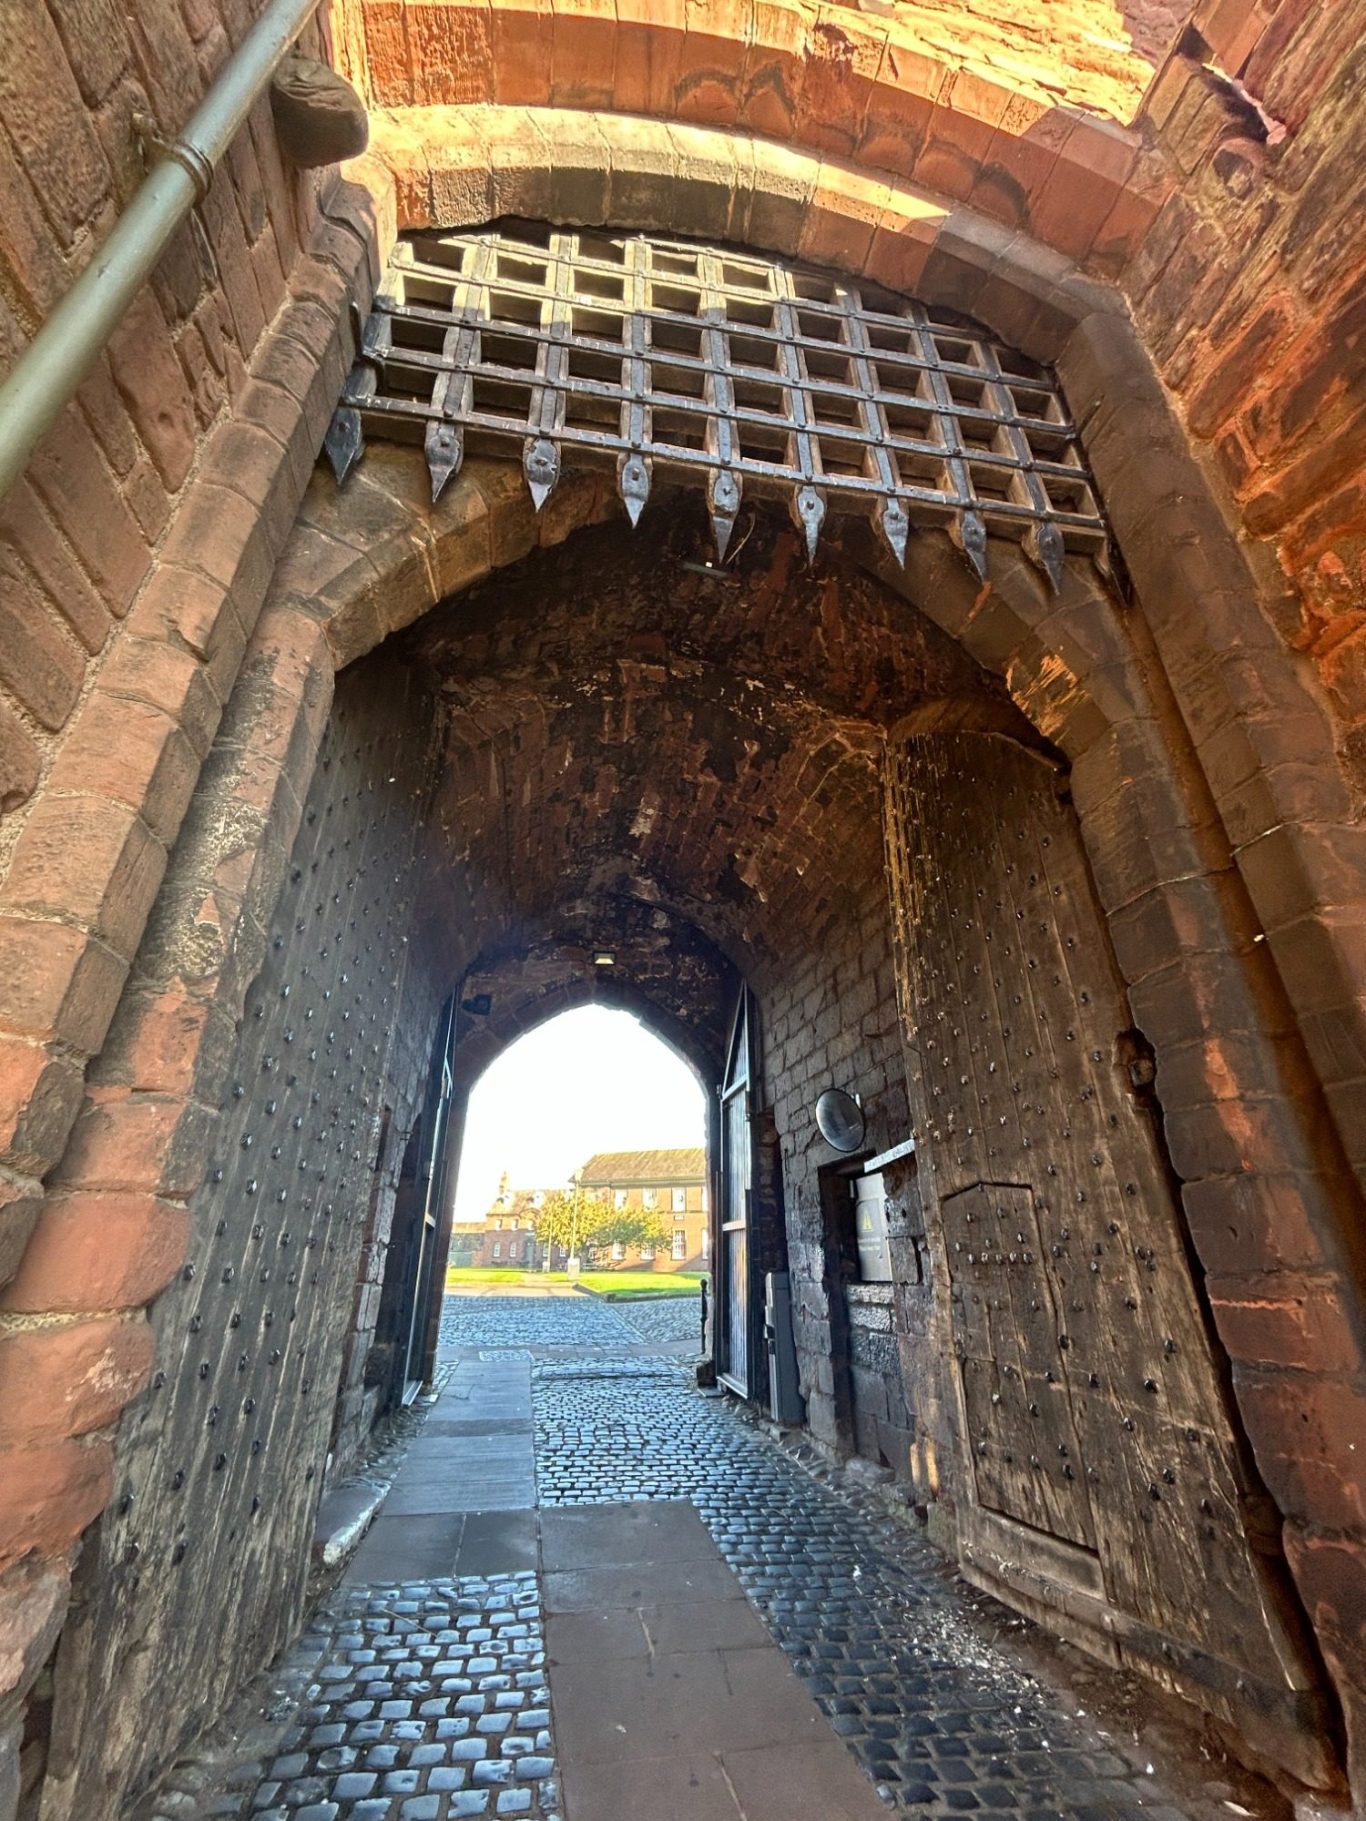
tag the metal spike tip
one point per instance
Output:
(969, 532)
(809, 510)
(541, 465)
(344, 442)
(723, 502)
(633, 481)
(444, 447)
(895, 527)
(1045, 549)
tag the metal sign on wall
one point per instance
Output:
(726, 370)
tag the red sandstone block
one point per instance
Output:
(130, 753)
(57, 983)
(39, 1097)
(520, 49)
(96, 44)
(583, 53)
(649, 58)
(20, 762)
(89, 860)
(31, 255)
(775, 69)
(68, 1380)
(1292, 1322)
(901, 103)
(49, 1494)
(91, 512)
(449, 47)
(1307, 1434)
(1017, 167)
(845, 53)
(98, 1249)
(148, 670)
(26, 527)
(137, 1142)
(48, 121)
(1242, 367)
(386, 41)
(235, 273)
(42, 666)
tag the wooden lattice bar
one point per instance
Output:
(727, 370)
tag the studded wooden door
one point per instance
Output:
(195, 1575)
(1100, 1472)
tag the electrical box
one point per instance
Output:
(870, 1226)
(784, 1398)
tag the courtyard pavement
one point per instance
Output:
(595, 1593)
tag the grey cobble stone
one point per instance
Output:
(898, 1657)
(372, 1741)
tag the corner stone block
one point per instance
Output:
(48, 1494)
(40, 1095)
(68, 1380)
(98, 1249)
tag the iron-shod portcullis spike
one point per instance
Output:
(808, 509)
(1045, 549)
(541, 465)
(895, 526)
(723, 502)
(633, 483)
(444, 447)
(968, 531)
(345, 441)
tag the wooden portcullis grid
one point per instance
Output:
(720, 368)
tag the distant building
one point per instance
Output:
(505, 1236)
(674, 1184)
(671, 1183)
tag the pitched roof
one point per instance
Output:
(630, 1169)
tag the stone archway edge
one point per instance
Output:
(1033, 142)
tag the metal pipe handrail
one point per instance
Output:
(49, 371)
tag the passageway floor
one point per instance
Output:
(597, 1594)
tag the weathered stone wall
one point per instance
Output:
(1249, 294)
(79, 534)
(195, 1576)
(829, 1019)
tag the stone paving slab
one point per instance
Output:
(891, 1650)
(677, 1709)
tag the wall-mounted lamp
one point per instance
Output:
(604, 958)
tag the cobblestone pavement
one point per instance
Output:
(901, 1660)
(568, 1320)
(665, 1320)
(429, 1702)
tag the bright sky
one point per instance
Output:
(589, 1080)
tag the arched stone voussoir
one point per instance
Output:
(370, 557)
(459, 168)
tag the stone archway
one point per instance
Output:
(1084, 680)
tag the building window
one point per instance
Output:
(706, 1244)
(527, 1252)
(497, 1248)
(619, 1197)
(704, 1198)
(647, 1255)
(618, 1251)
(680, 1248)
(680, 1201)
(647, 1198)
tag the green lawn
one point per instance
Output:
(611, 1284)
(640, 1283)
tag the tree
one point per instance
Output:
(574, 1220)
